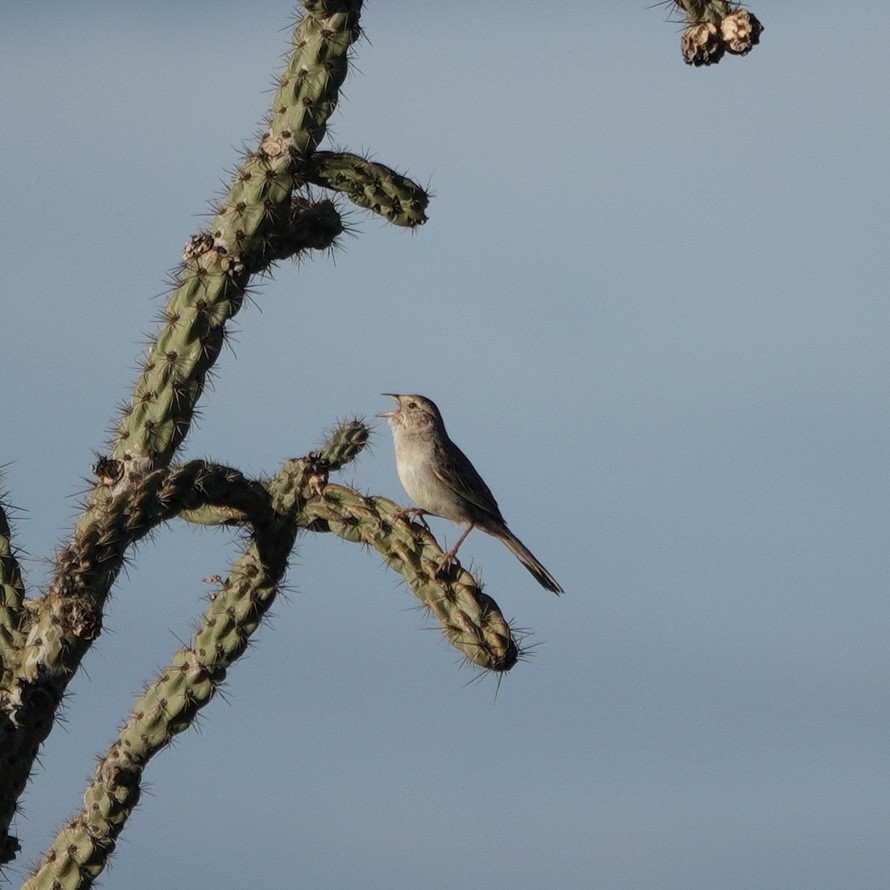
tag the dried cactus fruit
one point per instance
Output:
(701, 44)
(740, 31)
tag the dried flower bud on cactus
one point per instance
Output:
(197, 245)
(740, 31)
(701, 44)
(108, 470)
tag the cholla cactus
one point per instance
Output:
(267, 215)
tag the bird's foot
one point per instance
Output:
(445, 563)
(415, 514)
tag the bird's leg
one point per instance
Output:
(415, 513)
(448, 558)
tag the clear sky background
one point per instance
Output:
(651, 302)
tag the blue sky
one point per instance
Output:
(651, 305)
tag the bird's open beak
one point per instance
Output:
(388, 414)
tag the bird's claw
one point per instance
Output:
(415, 514)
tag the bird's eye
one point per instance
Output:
(412, 404)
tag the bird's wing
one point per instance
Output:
(460, 475)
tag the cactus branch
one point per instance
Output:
(373, 186)
(253, 225)
(343, 444)
(268, 215)
(12, 592)
(469, 619)
(170, 704)
(167, 707)
(257, 223)
(58, 628)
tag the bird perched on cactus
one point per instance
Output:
(439, 477)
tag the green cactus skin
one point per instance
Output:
(373, 186)
(696, 11)
(343, 444)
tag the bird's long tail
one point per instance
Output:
(530, 561)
